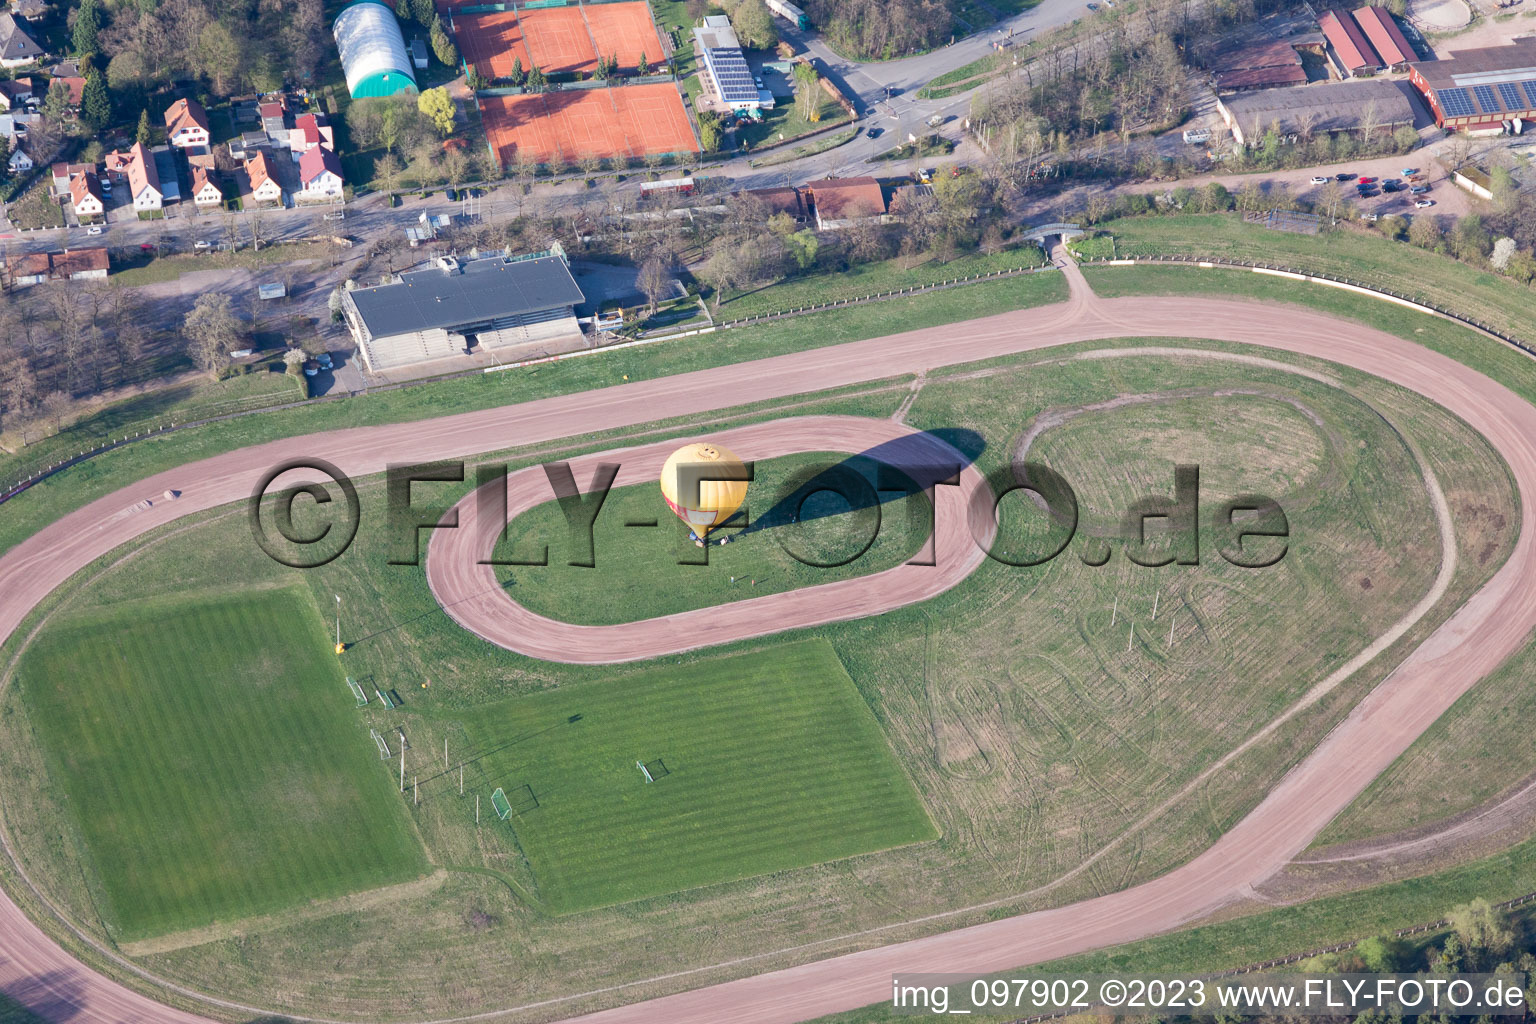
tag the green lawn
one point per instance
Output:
(1364, 258)
(871, 278)
(209, 762)
(763, 762)
(638, 573)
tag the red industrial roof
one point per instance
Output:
(1348, 42)
(1384, 35)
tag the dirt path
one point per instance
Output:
(1473, 642)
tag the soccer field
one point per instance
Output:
(761, 763)
(206, 753)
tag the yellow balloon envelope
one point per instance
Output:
(716, 500)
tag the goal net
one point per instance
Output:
(357, 691)
(502, 805)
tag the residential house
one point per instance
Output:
(62, 173)
(85, 196)
(20, 161)
(274, 119)
(17, 47)
(264, 187)
(115, 164)
(186, 124)
(319, 174)
(309, 131)
(30, 9)
(144, 179)
(15, 93)
(245, 146)
(76, 89)
(785, 199)
(840, 202)
(205, 193)
(69, 265)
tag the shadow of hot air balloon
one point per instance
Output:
(885, 473)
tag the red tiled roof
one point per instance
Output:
(847, 198)
(1384, 35)
(30, 265)
(78, 261)
(316, 162)
(1348, 41)
(257, 168)
(1255, 78)
(82, 185)
(783, 199)
(141, 170)
(185, 113)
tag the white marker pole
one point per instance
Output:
(1114, 612)
(338, 619)
(402, 765)
(1128, 638)
(1170, 628)
(1154, 605)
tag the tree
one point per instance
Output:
(536, 79)
(754, 25)
(95, 106)
(590, 163)
(1382, 955)
(212, 332)
(803, 247)
(87, 24)
(442, 46)
(518, 75)
(56, 102)
(1503, 250)
(142, 135)
(807, 90)
(643, 66)
(387, 171)
(437, 105)
(293, 361)
(217, 57)
(1425, 233)
(57, 403)
(425, 13)
(455, 166)
(653, 280)
(709, 130)
(1486, 933)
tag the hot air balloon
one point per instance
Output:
(716, 499)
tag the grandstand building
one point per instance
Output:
(726, 73)
(373, 54)
(517, 305)
(1488, 90)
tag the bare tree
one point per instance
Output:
(653, 280)
(212, 332)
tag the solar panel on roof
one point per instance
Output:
(1509, 92)
(1486, 100)
(1530, 91)
(1455, 102)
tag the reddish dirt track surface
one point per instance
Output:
(1474, 641)
(470, 593)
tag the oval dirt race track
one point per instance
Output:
(1474, 641)
(470, 593)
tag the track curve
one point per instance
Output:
(1473, 642)
(470, 593)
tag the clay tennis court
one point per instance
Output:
(558, 39)
(563, 127)
(491, 42)
(624, 31)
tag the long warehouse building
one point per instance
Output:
(522, 306)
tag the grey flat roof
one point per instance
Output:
(479, 291)
(1331, 107)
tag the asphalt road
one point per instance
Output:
(1477, 638)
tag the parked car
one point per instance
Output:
(338, 215)
(453, 195)
(1367, 181)
(1093, 7)
(1406, 171)
(1419, 190)
(200, 245)
(1318, 179)
(311, 368)
(875, 133)
(1390, 186)
(1343, 176)
(1415, 177)
(1424, 204)
(324, 359)
(94, 229)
